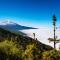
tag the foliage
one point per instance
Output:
(51, 55)
(10, 49)
(31, 52)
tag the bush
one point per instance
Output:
(10, 50)
(31, 53)
(51, 55)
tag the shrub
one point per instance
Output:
(10, 50)
(51, 55)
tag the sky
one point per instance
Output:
(33, 13)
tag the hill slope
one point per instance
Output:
(23, 40)
(18, 47)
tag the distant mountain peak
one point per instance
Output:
(7, 22)
(11, 26)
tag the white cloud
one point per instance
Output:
(42, 34)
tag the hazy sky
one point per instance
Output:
(30, 12)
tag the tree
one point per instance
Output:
(55, 37)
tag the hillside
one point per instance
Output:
(18, 47)
(22, 40)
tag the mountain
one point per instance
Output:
(18, 47)
(13, 27)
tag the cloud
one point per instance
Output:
(42, 34)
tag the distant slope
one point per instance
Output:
(11, 26)
(22, 40)
(14, 27)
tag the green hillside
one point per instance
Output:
(18, 47)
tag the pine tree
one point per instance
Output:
(55, 37)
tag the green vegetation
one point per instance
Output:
(10, 50)
(51, 55)
(19, 47)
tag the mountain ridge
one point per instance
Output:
(14, 27)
